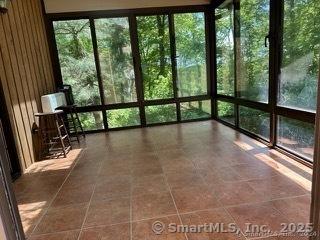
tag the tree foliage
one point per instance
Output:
(78, 66)
(242, 59)
(114, 47)
(155, 54)
(248, 58)
(300, 60)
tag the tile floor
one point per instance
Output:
(114, 186)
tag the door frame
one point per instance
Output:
(9, 212)
(15, 168)
(315, 195)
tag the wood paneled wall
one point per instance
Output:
(25, 70)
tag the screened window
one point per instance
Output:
(115, 57)
(77, 62)
(225, 50)
(226, 112)
(91, 121)
(296, 136)
(255, 121)
(155, 54)
(161, 113)
(195, 110)
(191, 54)
(251, 52)
(126, 117)
(300, 60)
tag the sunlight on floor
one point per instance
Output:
(286, 171)
(243, 145)
(144, 175)
(37, 187)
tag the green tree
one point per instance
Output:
(154, 46)
(77, 65)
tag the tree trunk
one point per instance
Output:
(98, 120)
(161, 32)
(292, 30)
(114, 93)
(77, 51)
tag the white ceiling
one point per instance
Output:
(59, 6)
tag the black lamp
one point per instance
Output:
(3, 6)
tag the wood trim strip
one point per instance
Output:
(315, 196)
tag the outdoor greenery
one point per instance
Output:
(252, 63)
(195, 110)
(241, 52)
(161, 114)
(77, 60)
(154, 46)
(226, 112)
(296, 135)
(242, 60)
(114, 47)
(255, 121)
(244, 38)
(91, 120)
(78, 67)
(300, 61)
(191, 54)
(300, 57)
(123, 117)
(225, 50)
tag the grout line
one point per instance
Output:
(174, 202)
(231, 217)
(54, 197)
(89, 203)
(231, 206)
(48, 234)
(221, 206)
(105, 225)
(160, 216)
(248, 180)
(263, 201)
(156, 152)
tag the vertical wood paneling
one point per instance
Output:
(3, 79)
(20, 77)
(34, 38)
(37, 8)
(30, 39)
(9, 79)
(25, 70)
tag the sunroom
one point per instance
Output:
(186, 119)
